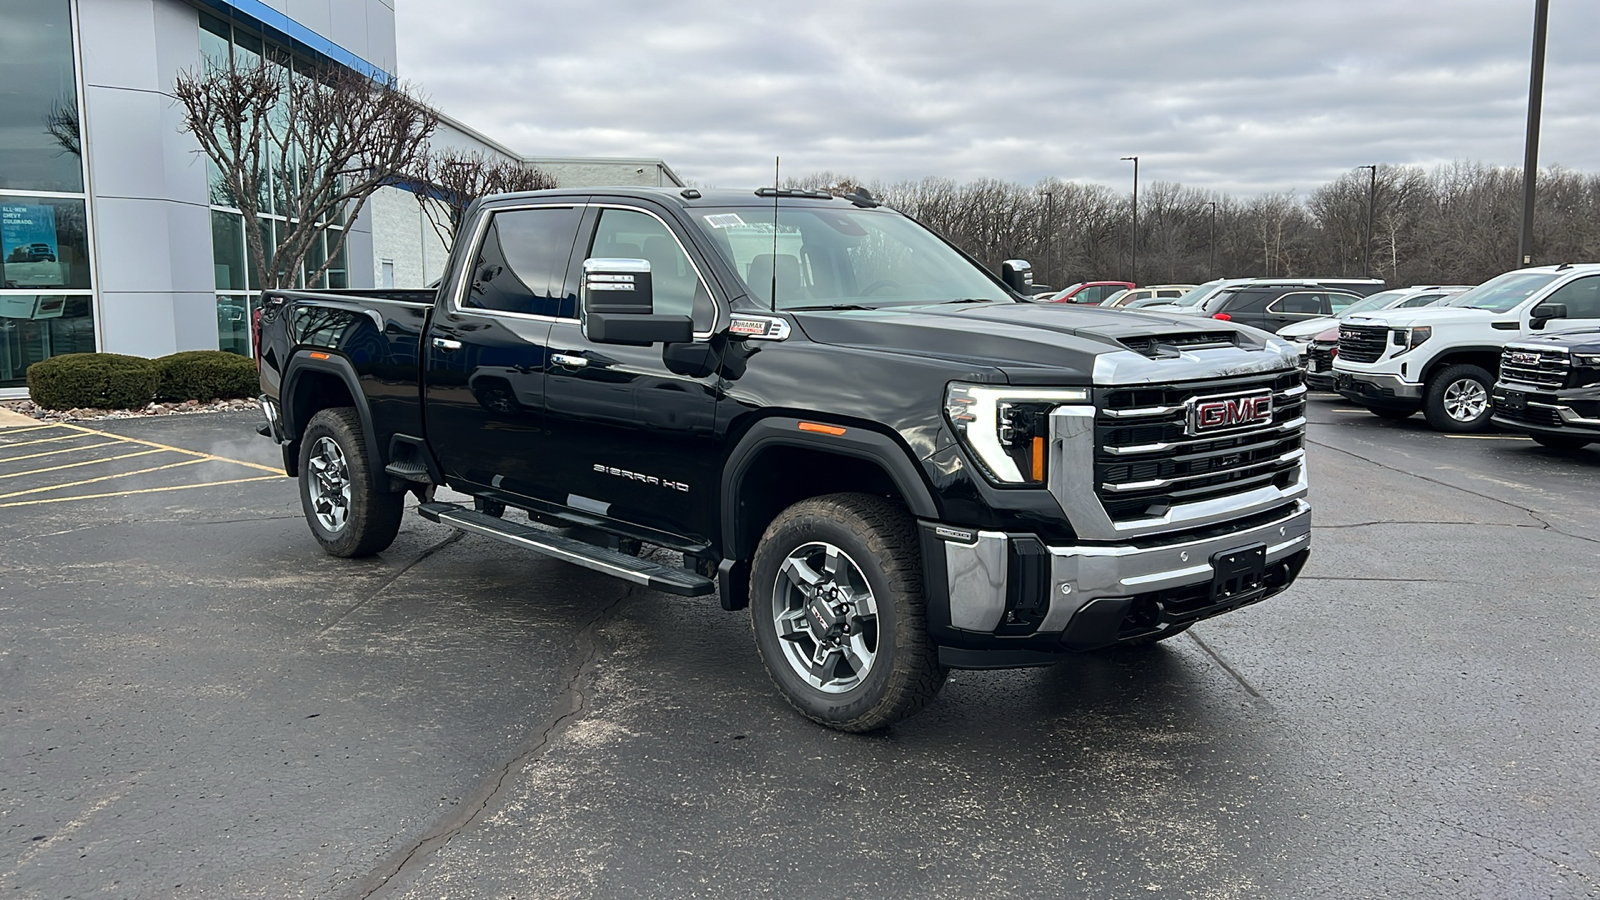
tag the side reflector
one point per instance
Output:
(1038, 458)
(821, 429)
(1223, 316)
(315, 355)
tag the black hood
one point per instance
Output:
(1015, 336)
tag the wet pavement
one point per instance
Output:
(195, 701)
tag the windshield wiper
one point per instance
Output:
(966, 300)
(830, 306)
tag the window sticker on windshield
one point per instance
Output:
(724, 220)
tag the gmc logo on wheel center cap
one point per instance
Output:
(1221, 413)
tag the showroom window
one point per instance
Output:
(238, 290)
(46, 286)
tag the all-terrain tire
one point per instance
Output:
(1457, 399)
(348, 506)
(874, 559)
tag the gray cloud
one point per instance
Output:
(1237, 95)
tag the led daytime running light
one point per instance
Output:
(975, 412)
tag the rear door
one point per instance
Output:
(487, 348)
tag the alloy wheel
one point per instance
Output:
(329, 484)
(826, 617)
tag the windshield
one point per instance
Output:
(1376, 301)
(1501, 294)
(827, 257)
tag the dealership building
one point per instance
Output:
(114, 235)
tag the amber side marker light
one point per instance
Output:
(821, 429)
(1038, 458)
(318, 355)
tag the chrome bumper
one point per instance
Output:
(1402, 390)
(976, 571)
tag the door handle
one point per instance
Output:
(446, 344)
(568, 360)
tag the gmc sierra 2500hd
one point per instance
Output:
(832, 415)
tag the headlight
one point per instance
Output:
(1007, 428)
(1587, 360)
(1411, 338)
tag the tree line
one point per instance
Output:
(1455, 224)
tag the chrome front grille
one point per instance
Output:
(1147, 459)
(1362, 343)
(1540, 367)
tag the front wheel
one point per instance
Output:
(1457, 399)
(350, 514)
(838, 612)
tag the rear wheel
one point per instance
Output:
(1390, 413)
(838, 612)
(1561, 441)
(350, 514)
(1457, 399)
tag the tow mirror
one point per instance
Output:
(1018, 275)
(1544, 312)
(618, 306)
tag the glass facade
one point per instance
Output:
(46, 283)
(238, 285)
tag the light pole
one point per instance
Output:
(1530, 155)
(1135, 236)
(1366, 242)
(1213, 267)
(1049, 231)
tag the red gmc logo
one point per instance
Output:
(1218, 413)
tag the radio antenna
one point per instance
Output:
(773, 295)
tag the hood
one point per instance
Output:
(1309, 328)
(1428, 315)
(1582, 340)
(1027, 341)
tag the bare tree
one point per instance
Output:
(445, 183)
(322, 140)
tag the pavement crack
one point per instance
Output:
(570, 705)
(454, 536)
(1543, 523)
(1226, 667)
(1504, 842)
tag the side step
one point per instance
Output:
(409, 471)
(671, 579)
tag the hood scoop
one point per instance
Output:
(1167, 346)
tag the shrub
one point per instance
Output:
(93, 380)
(207, 375)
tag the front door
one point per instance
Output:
(633, 429)
(1581, 297)
(487, 349)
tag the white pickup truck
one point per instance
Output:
(1444, 359)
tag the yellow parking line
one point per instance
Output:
(70, 484)
(64, 437)
(76, 464)
(58, 452)
(28, 428)
(203, 456)
(155, 490)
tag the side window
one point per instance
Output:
(1582, 298)
(1338, 301)
(1301, 305)
(523, 261)
(629, 234)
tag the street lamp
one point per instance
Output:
(1530, 155)
(1135, 237)
(1366, 242)
(1049, 231)
(1213, 239)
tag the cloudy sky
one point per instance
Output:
(1243, 96)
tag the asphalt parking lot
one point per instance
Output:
(196, 702)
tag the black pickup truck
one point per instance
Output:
(808, 405)
(1549, 389)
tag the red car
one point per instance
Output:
(1086, 292)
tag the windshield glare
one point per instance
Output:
(1376, 301)
(827, 256)
(1502, 293)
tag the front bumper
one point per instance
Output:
(1011, 600)
(1568, 412)
(1376, 389)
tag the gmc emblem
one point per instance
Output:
(1522, 358)
(1221, 413)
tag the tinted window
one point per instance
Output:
(1301, 304)
(523, 261)
(40, 143)
(1582, 298)
(629, 234)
